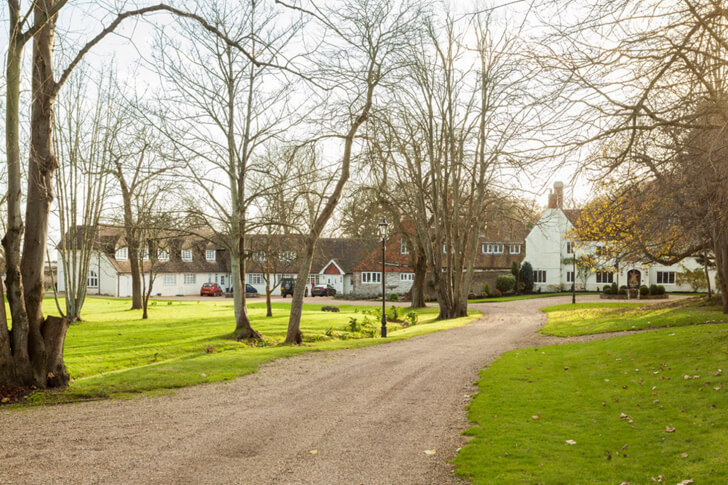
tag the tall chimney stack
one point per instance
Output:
(559, 194)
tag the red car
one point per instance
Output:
(211, 289)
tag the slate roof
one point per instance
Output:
(572, 215)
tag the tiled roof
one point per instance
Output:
(572, 215)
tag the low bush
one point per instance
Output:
(487, 289)
(660, 290)
(393, 297)
(644, 291)
(394, 314)
(328, 308)
(607, 290)
(653, 290)
(623, 290)
(505, 283)
(412, 319)
(615, 290)
(496, 293)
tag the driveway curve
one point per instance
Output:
(363, 416)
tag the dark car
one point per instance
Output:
(287, 287)
(211, 289)
(250, 289)
(323, 290)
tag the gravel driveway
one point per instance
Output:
(362, 416)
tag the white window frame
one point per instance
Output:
(492, 248)
(371, 277)
(515, 249)
(186, 255)
(313, 278)
(665, 277)
(190, 279)
(406, 277)
(403, 249)
(287, 256)
(605, 277)
(162, 255)
(210, 255)
(537, 274)
(144, 254)
(122, 254)
(569, 247)
(255, 278)
(601, 251)
(170, 279)
(93, 279)
(569, 277)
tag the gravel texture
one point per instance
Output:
(362, 416)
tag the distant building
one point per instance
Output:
(549, 248)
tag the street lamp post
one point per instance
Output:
(573, 279)
(383, 234)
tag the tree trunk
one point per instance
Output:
(721, 262)
(54, 335)
(294, 335)
(243, 329)
(7, 369)
(269, 309)
(707, 275)
(419, 284)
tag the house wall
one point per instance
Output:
(546, 249)
(98, 263)
(393, 284)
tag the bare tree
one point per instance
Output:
(85, 130)
(445, 139)
(220, 109)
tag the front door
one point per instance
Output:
(634, 278)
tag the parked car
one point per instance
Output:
(323, 290)
(211, 289)
(250, 289)
(287, 287)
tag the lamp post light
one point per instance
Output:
(573, 279)
(383, 234)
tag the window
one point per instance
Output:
(259, 256)
(444, 248)
(663, 278)
(190, 278)
(406, 277)
(93, 279)
(122, 254)
(163, 255)
(514, 249)
(222, 280)
(490, 248)
(210, 255)
(313, 279)
(287, 256)
(186, 255)
(569, 276)
(601, 251)
(371, 277)
(569, 247)
(403, 249)
(256, 279)
(144, 254)
(605, 277)
(170, 279)
(539, 276)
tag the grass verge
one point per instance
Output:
(627, 409)
(528, 297)
(590, 318)
(113, 352)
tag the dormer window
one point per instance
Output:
(122, 254)
(162, 255)
(403, 249)
(144, 254)
(210, 254)
(186, 255)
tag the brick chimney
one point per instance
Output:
(556, 196)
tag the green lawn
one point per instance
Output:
(527, 297)
(590, 318)
(637, 407)
(113, 351)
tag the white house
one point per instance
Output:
(548, 249)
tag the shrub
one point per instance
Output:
(623, 290)
(393, 297)
(393, 315)
(660, 290)
(644, 291)
(328, 308)
(412, 319)
(653, 290)
(505, 283)
(615, 290)
(527, 276)
(496, 293)
(487, 289)
(607, 290)
(354, 325)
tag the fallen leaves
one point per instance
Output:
(669, 429)
(314, 452)
(430, 452)
(686, 482)
(570, 442)
(535, 416)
